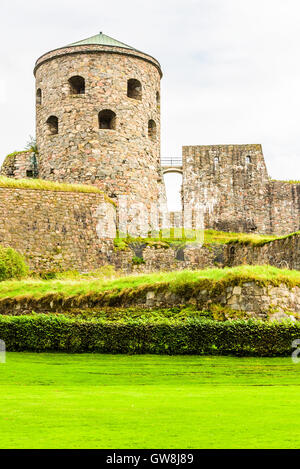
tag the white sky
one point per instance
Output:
(231, 67)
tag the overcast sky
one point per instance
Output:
(231, 67)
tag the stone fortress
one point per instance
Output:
(98, 123)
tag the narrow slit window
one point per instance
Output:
(158, 98)
(134, 89)
(248, 160)
(39, 96)
(152, 129)
(107, 120)
(77, 85)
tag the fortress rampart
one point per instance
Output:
(98, 123)
(75, 231)
(54, 230)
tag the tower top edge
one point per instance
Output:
(95, 49)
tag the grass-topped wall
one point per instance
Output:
(54, 226)
(246, 289)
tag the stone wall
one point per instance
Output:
(283, 202)
(251, 299)
(54, 230)
(124, 160)
(282, 253)
(228, 181)
(168, 259)
(74, 230)
(255, 299)
(20, 165)
(231, 185)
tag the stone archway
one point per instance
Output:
(173, 182)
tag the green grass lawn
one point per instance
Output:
(119, 401)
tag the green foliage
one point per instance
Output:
(193, 337)
(112, 314)
(138, 260)
(12, 264)
(31, 145)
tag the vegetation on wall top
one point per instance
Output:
(178, 236)
(9, 159)
(43, 185)
(286, 181)
(178, 281)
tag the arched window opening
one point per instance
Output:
(152, 129)
(52, 124)
(158, 98)
(248, 160)
(107, 120)
(77, 85)
(134, 89)
(39, 96)
(216, 161)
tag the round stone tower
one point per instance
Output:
(98, 117)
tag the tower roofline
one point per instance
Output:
(95, 45)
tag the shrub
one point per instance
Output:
(40, 333)
(138, 260)
(12, 264)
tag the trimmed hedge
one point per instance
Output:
(12, 264)
(44, 333)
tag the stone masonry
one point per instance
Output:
(247, 300)
(54, 230)
(122, 157)
(231, 184)
(20, 165)
(75, 230)
(98, 123)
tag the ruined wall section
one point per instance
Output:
(55, 230)
(283, 200)
(282, 253)
(121, 161)
(20, 165)
(229, 181)
(232, 184)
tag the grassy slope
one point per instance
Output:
(105, 401)
(68, 287)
